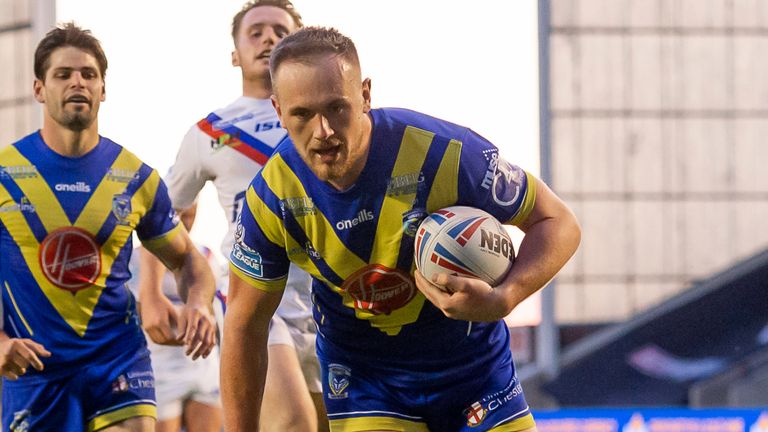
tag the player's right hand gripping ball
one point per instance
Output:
(463, 241)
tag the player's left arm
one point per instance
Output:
(196, 287)
(552, 235)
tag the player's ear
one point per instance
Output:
(103, 92)
(366, 95)
(235, 59)
(276, 105)
(37, 86)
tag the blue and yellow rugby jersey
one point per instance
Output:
(358, 244)
(65, 242)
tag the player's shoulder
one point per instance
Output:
(17, 145)
(397, 119)
(241, 109)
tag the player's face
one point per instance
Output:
(260, 30)
(73, 88)
(324, 104)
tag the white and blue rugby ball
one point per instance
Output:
(463, 241)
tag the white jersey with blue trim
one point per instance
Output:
(229, 147)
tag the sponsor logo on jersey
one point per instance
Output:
(338, 381)
(267, 126)
(120, 385)
(297, 206)
(223, 141)
(475, 414)
(72, 187)
(246, 259)
(121, 208)
(222, 124)
(18, 171)
(507, 183)
(492, 156)
(362, 216)
(379, 289)
(70, 258)
(404, 184)
(311, 251)
(22, 206)
(122, 175)
(411, 221)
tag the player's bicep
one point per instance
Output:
(256, 258)
(248, 306)
(489, 182)
(547, 205)
(188, 175)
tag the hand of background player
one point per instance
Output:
(159, 318)
(17, 355)
(462, 298)
(199, 329)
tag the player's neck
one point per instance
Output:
(67, 142)
(259, 88)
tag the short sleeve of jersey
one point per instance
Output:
(489, 182)
(259, 261)
(187, 176)
(160, 220)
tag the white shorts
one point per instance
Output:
(302, 339)
(178, 379)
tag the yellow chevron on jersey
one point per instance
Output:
(37, 191)
(358, 243)
(286, 186)
(447, 174)
(76, 308)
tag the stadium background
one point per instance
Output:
(653, 116)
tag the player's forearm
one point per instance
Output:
(243, 373)
(546, 247)
(150, 276)
(195, 280)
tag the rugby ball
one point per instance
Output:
(463, 241)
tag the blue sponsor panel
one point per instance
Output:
(652, 420)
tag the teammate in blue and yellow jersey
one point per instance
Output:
(72, 354)
(342, 199)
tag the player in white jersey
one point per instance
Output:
(187, 390)
(229, 147)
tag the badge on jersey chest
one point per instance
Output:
(70, 258)
(121, 208)
(379, 289)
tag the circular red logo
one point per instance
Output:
(380, 289)
(70, 258)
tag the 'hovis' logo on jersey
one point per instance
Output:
(362, 216)
(73, 187)
(70, 258)
(380, 289)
